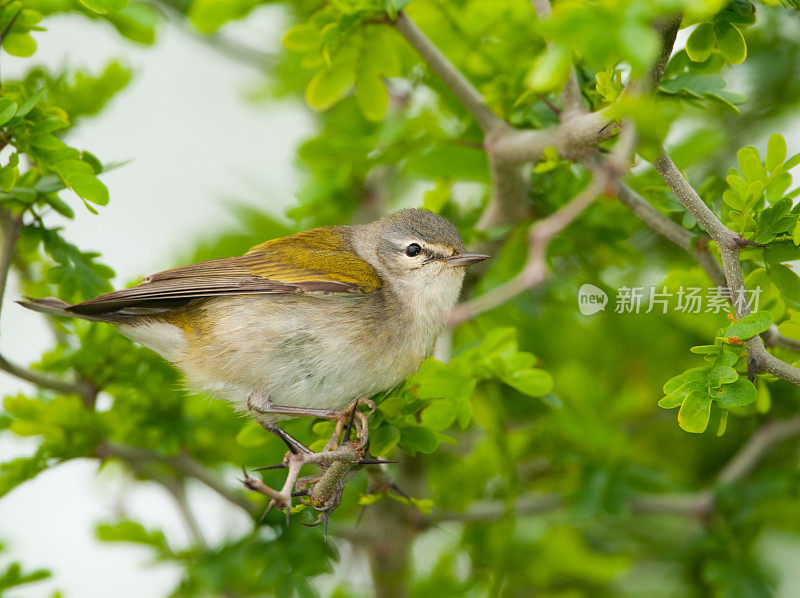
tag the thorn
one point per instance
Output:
(264, 514)
(752, 369)
(300, 493)
(326, 528)
(741, 242)
(399, 490)
(374, 462)
(549, 104)
(361, 515)
(278, 466)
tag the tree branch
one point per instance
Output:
(472, 100)
(756, 448)
(729, 243)
(669, 31)
(528, 504)
(574, 139)
(535, 270)
(775, 339)
(671, 231)
(571, 94)
(183, 464)
(10, 227)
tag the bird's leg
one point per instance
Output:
(323, 491)
(261, 403)
(295, 446)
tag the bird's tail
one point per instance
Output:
(57, 307)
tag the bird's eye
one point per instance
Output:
(413, 250)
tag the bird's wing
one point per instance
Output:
(318, 260)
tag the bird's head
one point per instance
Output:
(418, 254)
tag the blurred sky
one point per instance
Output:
(195, 148)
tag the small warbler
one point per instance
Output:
(300, 325)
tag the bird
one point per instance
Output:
(305, 324)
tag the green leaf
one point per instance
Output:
(786, 279)
(31, 102)
(750, 164)
(777, 187)
(722, 375)
(695, 412)
(738, 394)
(210, 15)
(104, 6)
(701, 42)
(439, 414)
(90, 188)
(383, 440)
(419, 438)
(731, 43)
(251, 435)
(21, 45)
(7, 110)
(132, 531)
(371, 95)
(706, 349)
(329, 85)
(689, 376)
(550, 70)
(750, 326)
(723, 422)
(301, 38)
(532, 382)
(776, 151)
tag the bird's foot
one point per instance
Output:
(322, 491)
(350, 419)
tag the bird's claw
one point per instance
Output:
(349, 452)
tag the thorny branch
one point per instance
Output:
(183, 465)
(606, 176)
(729, 244)
(10, 227)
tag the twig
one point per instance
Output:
(177, 490)
(669, 31)
(10, 227)
(729, 243)
(694, 504)
(606, 175)
(529, 504)
(228, 46)
(535, 269)
(183, 464)
(472, 100)
(775, 339)
(671, 231)
(754, 450)
(571, 95)
(83, 389)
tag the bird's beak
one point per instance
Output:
(465, 259)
